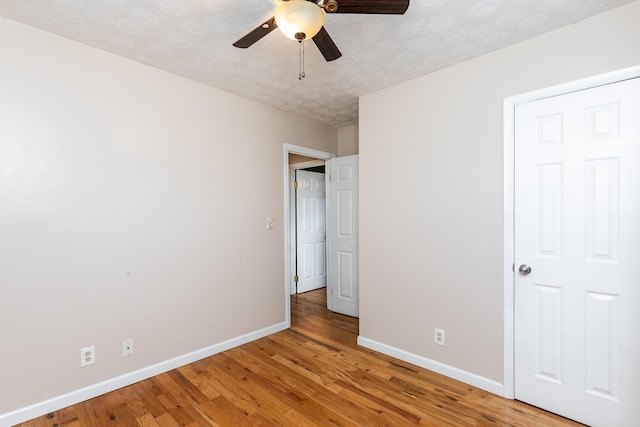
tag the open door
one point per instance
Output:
(310, 231)
(343, 260)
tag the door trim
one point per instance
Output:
(309, 152)
(508, 153)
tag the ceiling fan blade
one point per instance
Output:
(258, 33)
(387, 7)
(326, 45)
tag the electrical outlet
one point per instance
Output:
(87, 356)
(127, 348)
(438, 336)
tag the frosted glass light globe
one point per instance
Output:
(297, 17)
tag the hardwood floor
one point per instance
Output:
(313, 374)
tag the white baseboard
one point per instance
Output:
(42, 408)
(435, 366)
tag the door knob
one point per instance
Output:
(524, 269)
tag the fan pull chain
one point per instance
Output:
(301, 57)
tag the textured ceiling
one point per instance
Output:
(193, 38)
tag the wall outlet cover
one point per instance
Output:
(87, 356)
(127, 348)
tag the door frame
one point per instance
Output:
(288, 222)
(508, 154)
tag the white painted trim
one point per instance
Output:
(309, 152)
(292, 230)
(508, 242)
(508, 199)
(42, 408)
(435, 366)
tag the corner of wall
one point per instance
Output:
(348, 141)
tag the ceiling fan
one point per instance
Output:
(302, 19)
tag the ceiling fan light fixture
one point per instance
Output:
(299, 19)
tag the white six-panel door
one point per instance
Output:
(577, 227)
(343, 241)
(311, 230)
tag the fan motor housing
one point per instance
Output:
(331, 6)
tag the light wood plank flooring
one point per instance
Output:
(313, 374)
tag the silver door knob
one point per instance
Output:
(524, 269)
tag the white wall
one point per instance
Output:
(431, 192)
(132, 205)
(348, 140)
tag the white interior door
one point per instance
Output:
(577, 226)
(311, 210)
(343, 236)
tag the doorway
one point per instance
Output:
(568, 218)
(341, 248)
(303, 158)
(309, 238)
